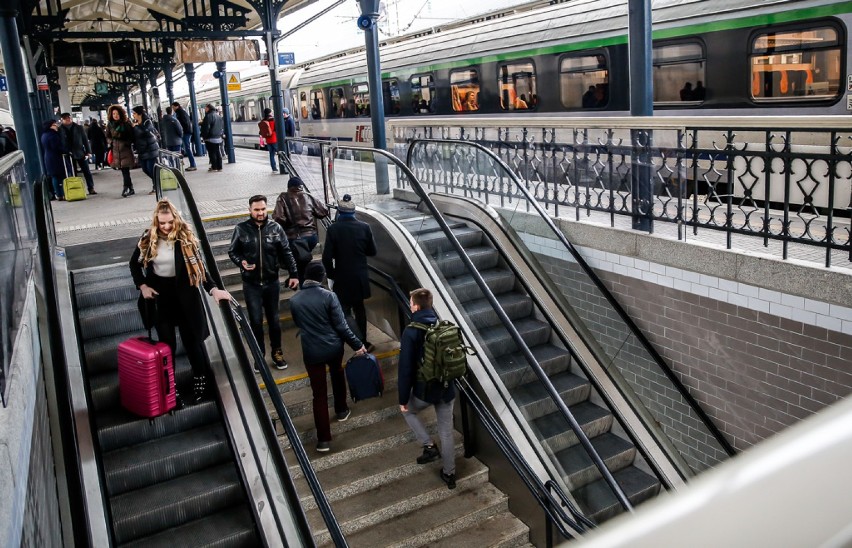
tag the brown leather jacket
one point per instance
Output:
(297, 212)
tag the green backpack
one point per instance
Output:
(444, 352)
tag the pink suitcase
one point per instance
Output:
(146, 377)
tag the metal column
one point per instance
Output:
(641, 104)
(16, 76)
(226, 110)
(367, 22)
(277, 97)
(189, 70)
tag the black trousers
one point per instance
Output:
(360, 312)
(170, 316)
(263, 300)
(215, 152)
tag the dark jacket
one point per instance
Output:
(289, 127)
(184, 120)
(212, 127)
(410, 356)
(317, 313)
(276, 251)
(120, 137)
(145, 140)
(53, 147)
(305, 211)
(76, 142)
(348, 243)
(189, 296)
(171, 130)
(98, 140)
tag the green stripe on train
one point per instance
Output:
(688, 30)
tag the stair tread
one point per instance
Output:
(500, 530)
(600, 502)
(585, 412)
(534, 390)
(544, 353)
(131, 429)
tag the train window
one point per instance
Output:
(251, 110)
(584, 81)
(338, 103)
(423, 100)
(464, 85)
(303, 102)
(361, 96)
(317, 104)
(517, 86)
(797, 64)
(679, 73)
(390, 93)
(293, 102)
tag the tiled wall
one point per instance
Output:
(758, 360)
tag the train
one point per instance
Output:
(570, 58)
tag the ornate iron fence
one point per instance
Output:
(792, 186)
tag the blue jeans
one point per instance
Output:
(57, 187)
(273, 151)
(260, 300)
(148, 167)
(187, 149)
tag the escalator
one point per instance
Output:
(560, 390)
(210, 474)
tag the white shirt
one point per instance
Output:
(164, 262)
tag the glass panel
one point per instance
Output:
(361, 96)
(317, 104)
(423, 94)
(584, 81)
(390, 91)
(338, 103)
(464, 86)
(517, 86)
(801, 64)
(303, 100)
(679, 73)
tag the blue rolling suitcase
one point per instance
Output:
(364, 377)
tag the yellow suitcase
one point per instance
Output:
(73, 187)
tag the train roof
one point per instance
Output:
(532, 29)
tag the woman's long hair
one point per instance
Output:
(122, 114)
(181, 232)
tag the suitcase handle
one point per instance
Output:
(166, 375)
(70, 160)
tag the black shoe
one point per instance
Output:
(341, 417)
(449, 479)
(125, 193)
(93, 191)
(278, 359)
(323, 447)
(430, 453)
(131, 192)
(199, 387)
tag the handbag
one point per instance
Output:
(301, 251)
(109, 157)
(262, 142)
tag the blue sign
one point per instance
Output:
(101, 88)
(287, 58)
(4, 84)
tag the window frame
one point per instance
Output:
(526, 60)
(356, 94)
(314, 93)
(433, 93)
(692, 40)
(583, 53)
(472, 68)
(343, 101)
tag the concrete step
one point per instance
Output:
(385, 503)
(501, 530)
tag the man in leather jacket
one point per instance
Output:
(259, 271)
(298, 212)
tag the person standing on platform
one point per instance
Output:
(145, 140)
(259, 247)
(212, 129)
(51, 144)
(98, 140)
(172, 132)
(297, 212)
(77, 145)
(348, 243)
(187, 127)
(289, 125)
(166, 265)
(266, 128)
(317, 313)
(119, 134)
(416, 395)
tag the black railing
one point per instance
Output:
(790, 186)
(502, 171)
(235, 323)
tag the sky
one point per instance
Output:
(337, 30)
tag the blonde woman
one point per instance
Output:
(166, 266)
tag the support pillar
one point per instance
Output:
(62, 94)
(277, 98)
(641, 104)
(189, 70)
(226, 110)
(16, 76)
(367, 22)
(155, 93)
(170, 93)
(143, 89)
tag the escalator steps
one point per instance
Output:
(230, 528)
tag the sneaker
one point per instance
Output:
(192, 168)
(275, 172)
(278, 359)
(449, 479)
(341, 417)
(93, 191)
(152, 192)
(325, 447)
(430, 453)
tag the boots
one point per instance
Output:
(199, 387)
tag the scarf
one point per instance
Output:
(191, 258)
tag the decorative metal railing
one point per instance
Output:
(786, 183)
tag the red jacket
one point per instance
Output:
(273, 138)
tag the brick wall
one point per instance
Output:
(758, 360)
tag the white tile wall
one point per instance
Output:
(792, 307)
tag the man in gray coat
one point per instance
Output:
(212, 129)
(171, 131)
(77, 145)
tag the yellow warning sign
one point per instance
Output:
(233, 80)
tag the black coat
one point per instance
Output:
(189, 296)
(145, 140)
(348, 243)
(98, 140)
(75, 140)
(317, 313)
(54, 148)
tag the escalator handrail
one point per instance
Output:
(540, 490)
(233, 322)
(625, 317)
(506, 321)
